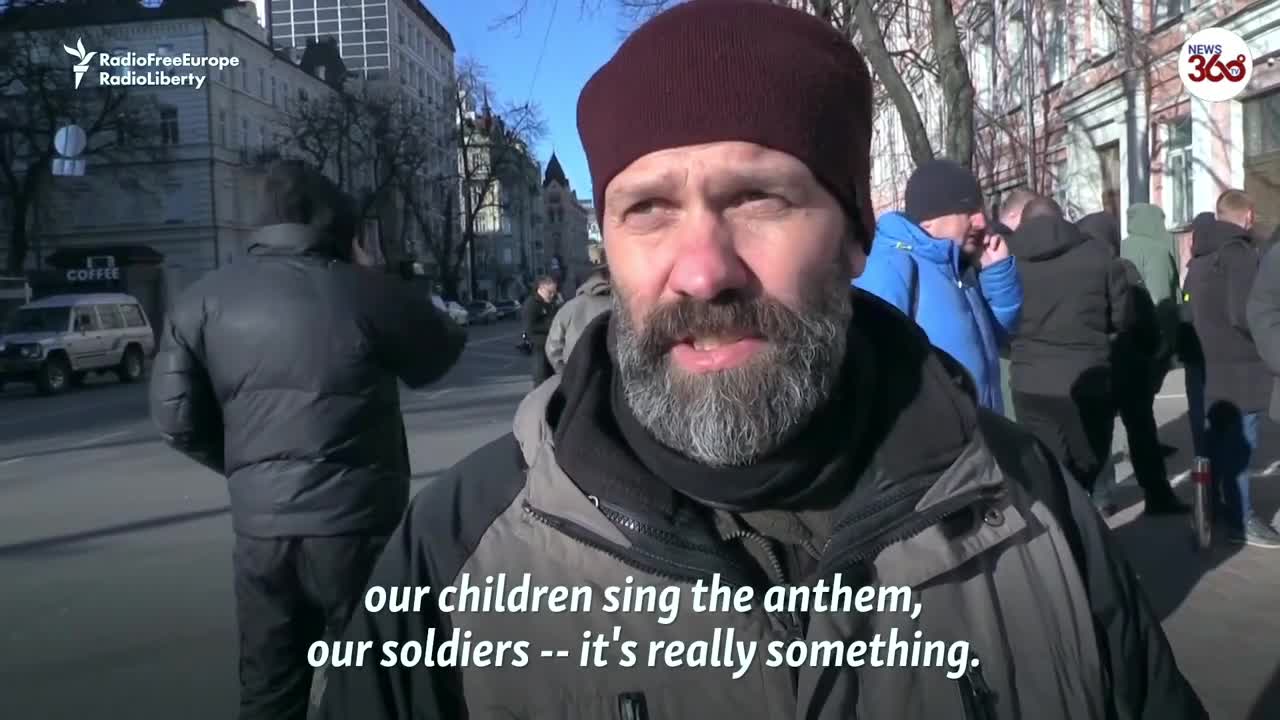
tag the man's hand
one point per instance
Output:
(994, 250)
(360, 256)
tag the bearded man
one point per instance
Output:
(743, 417)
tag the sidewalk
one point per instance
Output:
(1221, 608)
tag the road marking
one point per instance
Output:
(11, 461)
(98, 439)
(1171, 396)
(1272, 469)
(486, 341)
(26, 418)
(433, 394)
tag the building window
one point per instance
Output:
(273, 91)
(1056, 47)
(175, 210)
(284, 93)
(262, 82)
(222, 72)
(244, 132)
(262, 137)
(1103, 31)
(1262, 125)
(168, 125)
(1180, 172)
(222, 128)
(164, 50)
(1167, 10)
(244, 78)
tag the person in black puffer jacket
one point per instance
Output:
(280, 373)
(1223, 267)
(1074, 300)
(1138, 366)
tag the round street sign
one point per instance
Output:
(70, 141)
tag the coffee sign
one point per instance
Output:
(93, 271)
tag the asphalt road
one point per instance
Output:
(115, 584)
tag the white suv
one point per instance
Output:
(57, 341)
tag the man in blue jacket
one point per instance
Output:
(936, 262)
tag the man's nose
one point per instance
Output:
(707, 263)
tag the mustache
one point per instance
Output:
(678, 321)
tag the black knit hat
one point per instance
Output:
(941, 187)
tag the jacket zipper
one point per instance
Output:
(790, 625)
(910, 529)
(975, 695)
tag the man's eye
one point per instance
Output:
(643, 207)
(761, 200)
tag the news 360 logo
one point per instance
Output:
(1215, 65)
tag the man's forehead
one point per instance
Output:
(728, 161)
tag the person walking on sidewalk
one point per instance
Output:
(1074, 299)
(1263, 314)
(593, 299)
(745, 416)
(282, 373)
(936, 262)
(1221, 275)
(1137, 369)
(1189, 352)
(1008, 218)
(539, 309)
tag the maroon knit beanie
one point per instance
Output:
(746, 70)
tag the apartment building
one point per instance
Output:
(392, 45)
(1096, 137)
(188, 196)
(565, 236)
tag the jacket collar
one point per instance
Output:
(292, 239)
(896, 231)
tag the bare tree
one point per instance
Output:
(38, 97)
(493, 143)
(373, 141)
(884, 31)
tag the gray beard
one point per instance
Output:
(735, 417)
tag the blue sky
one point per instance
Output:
(577, 43)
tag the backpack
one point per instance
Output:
(1144, 331)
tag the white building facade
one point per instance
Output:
(193, 201)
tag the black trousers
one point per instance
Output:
(1134, 400)
(1077, 429)
(540, 366)
(291, 592)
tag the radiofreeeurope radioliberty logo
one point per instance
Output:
(152, 69)
(82, 60)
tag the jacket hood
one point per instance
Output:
(597, 284)
(898, 231)
(1146, 225)
(1212, 237)
(1101, 228)
(295, 239)
(1044, 238)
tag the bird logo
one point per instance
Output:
(82, 60)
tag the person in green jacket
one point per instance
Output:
(1151, 248)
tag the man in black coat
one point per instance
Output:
(1263, 314)
(1073, 301)
(1223, 266)
(1138, 363)
(539, 309)
(281, 373)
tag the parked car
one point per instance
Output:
(482, 312)
(57, 341)
(507, 309)
(456, 312)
